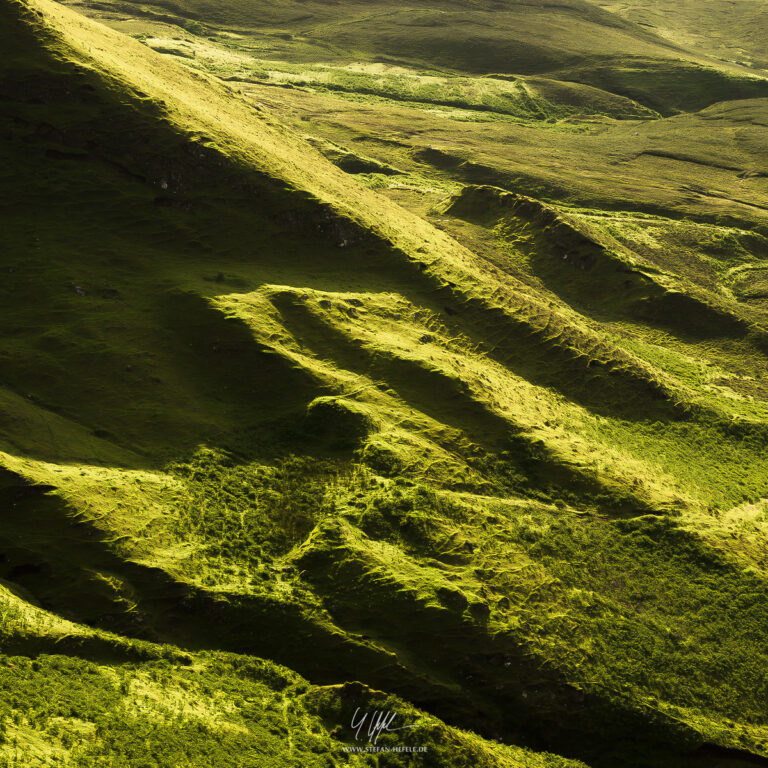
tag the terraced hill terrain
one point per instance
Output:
(371, 357)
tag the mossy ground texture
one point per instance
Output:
(363, 357)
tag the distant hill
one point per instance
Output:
(573, 41)
(731, 30)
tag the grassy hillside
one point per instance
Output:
(572, 42)
(731, 31)
(330, 384)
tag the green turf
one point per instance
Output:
(368, 356)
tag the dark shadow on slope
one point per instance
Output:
(587, 270)
(261, 391)
(448, 401)
(668, 86)
(722, 757)
(550, 352)
(511, 693)
(69, 570)
(64, 566)
(429, 391)
(109, 207)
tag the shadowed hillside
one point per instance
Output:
(330, 383)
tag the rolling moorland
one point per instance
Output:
(372, 356)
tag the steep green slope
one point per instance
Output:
(504, 461)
